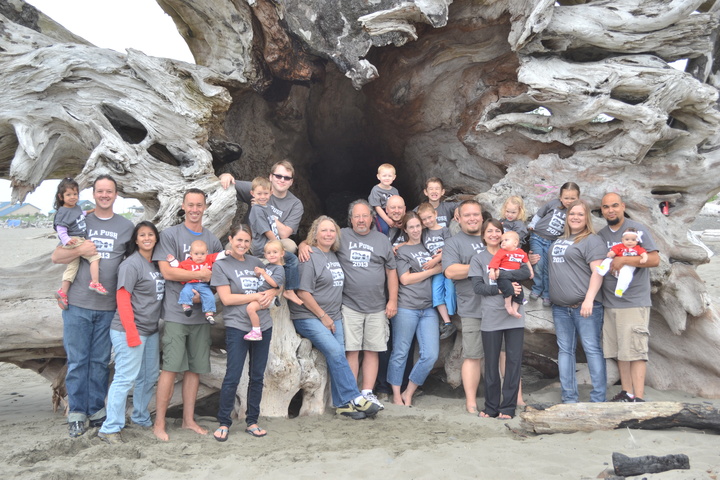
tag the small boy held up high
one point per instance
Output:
(379, 196)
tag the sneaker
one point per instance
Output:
(253, 336)
(619, 292)
(547, 302)
(187, 310)
(371, 397)
(370, 409)
(446, 330)
(622, 397)
(97, 422)
(210, 318)
(76, 429)
(637, 400)
(97, 287)
(349, 410)
(534, 296)
(111, 438)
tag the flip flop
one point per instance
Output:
(222, 430)
(254, 432)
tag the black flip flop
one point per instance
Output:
(227, 434)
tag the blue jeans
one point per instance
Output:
(86, 339)
(207, 297)
(406, 324)
(569, 324)
(292, 275)
(541, 284)
(133, 365)
(443, 292)
(237, 349)
(343, 385)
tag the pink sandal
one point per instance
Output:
(62, 300)
(98, 288)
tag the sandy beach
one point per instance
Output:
(435, 438)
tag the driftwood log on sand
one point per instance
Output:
(588, 417)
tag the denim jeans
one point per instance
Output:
(292, 275)
(343, 385)
(133, 365)
(237, 349)
(569, 324)
(207, 297)
(406, 324)
(541, 284)
(443, 292)
(86, 339)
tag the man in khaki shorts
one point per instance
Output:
(368, 261)
(458, 252)
(186, 338)
(625, 327)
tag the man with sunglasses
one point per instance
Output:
(288, 209)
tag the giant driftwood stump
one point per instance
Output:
(497, 97)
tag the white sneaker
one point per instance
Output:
(371, 397)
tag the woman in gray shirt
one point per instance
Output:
(415, 315)
(576, 298)
(497, 326)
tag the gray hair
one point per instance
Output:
(360, 201)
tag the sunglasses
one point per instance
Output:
(282, 177)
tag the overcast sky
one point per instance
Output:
(138, 24)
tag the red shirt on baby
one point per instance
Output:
(622, 251)
(191, 266)
(505, 260)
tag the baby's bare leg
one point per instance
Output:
(252, 309)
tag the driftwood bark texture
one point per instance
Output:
(587, 417)
(497, 97)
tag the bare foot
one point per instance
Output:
(160, 433)
(484, 415)
(503, 416)
(471, 409)
(407, 401)
(291, 296)
(397, 400)
(521, 403)
(195, 428)
(510, 311)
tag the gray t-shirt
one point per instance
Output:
(144, 282)
(549, 221)
(323, 277)
(176, 241)
(445, 213)
(260, 222)
(638, 293)
(73, 219)
(516, 226)
(364, 259)
(570, 268)
(277, 273)
(111, 237)
(461, 248)
(240, 276)
(396, 236)
(434, 240)
(379, 196)
(418, 296)
(494, 314)
(289, 210)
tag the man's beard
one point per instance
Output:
(612, 223)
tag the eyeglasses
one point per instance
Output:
(282, 177)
